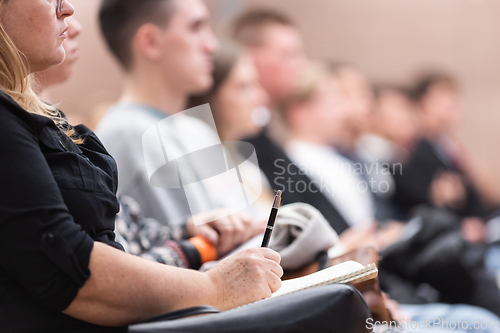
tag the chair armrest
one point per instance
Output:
(332, 308)
(183, 313)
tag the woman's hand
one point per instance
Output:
(246, 277)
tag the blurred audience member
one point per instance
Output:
(357, 93)
(277, 50)
(393, 129)
(236, 99)
(314, 118)
(386, 145)
(276, 47)
(437, 172)
(166, 58)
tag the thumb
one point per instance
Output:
(208, 233)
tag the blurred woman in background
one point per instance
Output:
(237, 100)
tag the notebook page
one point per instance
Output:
(328, 275)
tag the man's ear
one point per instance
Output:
(148, 42)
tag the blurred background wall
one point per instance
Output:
(390, 40)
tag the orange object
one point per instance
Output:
(206, 249)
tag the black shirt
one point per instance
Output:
(56, 199)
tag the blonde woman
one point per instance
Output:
(60, 267)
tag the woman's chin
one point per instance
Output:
(59, 56)
(43, 66)
(57, 59)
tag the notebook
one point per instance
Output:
(350, 272)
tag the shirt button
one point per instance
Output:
(48, 240)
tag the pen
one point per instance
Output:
(272, 219)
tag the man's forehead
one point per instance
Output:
(279, 35)
(192, 9)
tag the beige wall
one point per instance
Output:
(389, 39)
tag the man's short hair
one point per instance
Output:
(249, 27)
(427, 81)
(120, 20)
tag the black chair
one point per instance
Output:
(333, 308)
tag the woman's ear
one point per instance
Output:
(148, 42)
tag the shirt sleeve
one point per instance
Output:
(149, 239)
(122, 134)
(41, 247)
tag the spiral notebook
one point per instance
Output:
(350, 272)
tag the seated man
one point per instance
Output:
(438, 161)
(165, 48)
(386, 144)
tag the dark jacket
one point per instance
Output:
(414, 182)
(56, 199)
(282, 174)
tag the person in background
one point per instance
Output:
(237, 99)
(393, 122)
(58, 208)
(357, 94)
(363, 108)
(386, 144)
(438, 172)
(159, 77)
(316, 118)
(276, 47)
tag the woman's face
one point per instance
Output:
(37, 30)
(61, 73)
(238, 98)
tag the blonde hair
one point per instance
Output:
(17, 82)
(313, 76)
